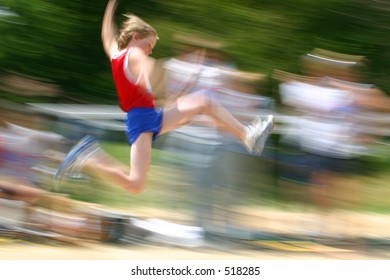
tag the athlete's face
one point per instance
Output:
(147, 44)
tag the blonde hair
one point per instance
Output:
(133, 25)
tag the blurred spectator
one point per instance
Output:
(214, 160)
(23, 153)
(329, 130)
(28, 158)
(197, 142)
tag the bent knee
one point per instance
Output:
(136, 186)
(204, 100)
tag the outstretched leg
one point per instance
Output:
(186, 107)
(111, 172)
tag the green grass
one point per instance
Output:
(169, 186)
(97, 192)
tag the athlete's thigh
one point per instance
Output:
(182, 111)
(140, 156)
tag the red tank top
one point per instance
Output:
(130, 95)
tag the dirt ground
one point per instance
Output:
(98, 251)
(368, 240)
(17, 250)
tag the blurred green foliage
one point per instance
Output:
(60, 40)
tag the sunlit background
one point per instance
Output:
(320, 187)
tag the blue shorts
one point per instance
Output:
(140, 120)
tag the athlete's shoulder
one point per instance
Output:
(119, 54)
(136, 55)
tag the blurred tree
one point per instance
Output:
(60, 40)
(357, 27)
(56, 40)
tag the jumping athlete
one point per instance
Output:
(128, 54)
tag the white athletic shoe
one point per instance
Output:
(257, 134)
(71, 165)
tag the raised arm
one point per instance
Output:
(109, 30)
(369, 97)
